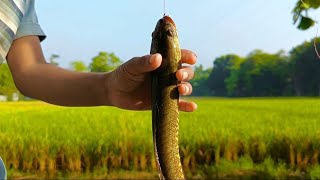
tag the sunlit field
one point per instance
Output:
(269, 138)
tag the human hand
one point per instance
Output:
(129, 86)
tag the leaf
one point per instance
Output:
(305, 5)
(305, 23)
(314, 3)
(295, 17)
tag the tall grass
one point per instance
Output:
(224, 136)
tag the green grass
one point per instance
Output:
(274, 137)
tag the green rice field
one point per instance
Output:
(225, 138)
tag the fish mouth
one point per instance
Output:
(168, 19)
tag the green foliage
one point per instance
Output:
(300, 13)
(222, 68)
(258, 74)
(305, 23)
(315, 172)
(7, 86)
(78, 66)
(238, 137)
(199, 82)
(52, 59)
(104, 62)
(262, 74)
(265, 74)
(305, 69)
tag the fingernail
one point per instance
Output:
(184, 75)
(195, 106)
(151, 58)
(186, 89)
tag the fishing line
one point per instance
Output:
(315, 44)
(164, 7)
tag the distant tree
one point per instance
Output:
(7, 86)
(233, 81)
(267, 74)
(104, 62)
(78, 66)
(52, 59)
(300, 13)
(305, 66)
(200, 81)
(260, 74)
(222, 67)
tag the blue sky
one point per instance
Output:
(79, 29)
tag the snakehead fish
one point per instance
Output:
(165, 97)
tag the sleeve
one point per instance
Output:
(29, 24)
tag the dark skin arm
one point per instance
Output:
(127, 87)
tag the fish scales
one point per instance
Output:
(165, 99)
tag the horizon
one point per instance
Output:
(209, 28)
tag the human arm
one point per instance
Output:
(35, 78)
(127, 87)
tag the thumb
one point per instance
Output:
(144, 64)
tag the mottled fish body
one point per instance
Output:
(165, 99)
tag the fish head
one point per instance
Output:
(165, 40)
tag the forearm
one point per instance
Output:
(62, 87)
(37, 79)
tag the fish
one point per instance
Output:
(165, 100)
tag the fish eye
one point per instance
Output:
(170, 32)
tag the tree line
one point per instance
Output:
(263, 74)
(296, 73)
